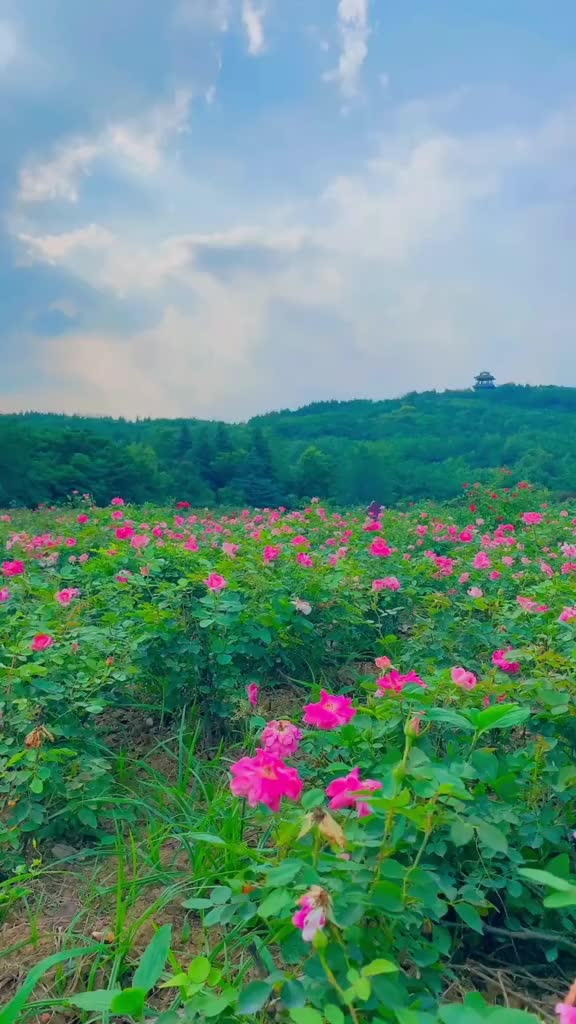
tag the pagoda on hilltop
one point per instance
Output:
(484, 381)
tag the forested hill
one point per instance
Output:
(420, 445)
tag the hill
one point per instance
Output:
(400, 449)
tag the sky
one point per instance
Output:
(217, 208)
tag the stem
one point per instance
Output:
(338, 988)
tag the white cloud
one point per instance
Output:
(203, 14)
(137, 145)
(354, 32)
(253, 21)
(416, 262)
(9, 44)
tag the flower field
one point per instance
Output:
(304, 766)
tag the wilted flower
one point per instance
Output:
(475, 592)
(265, 779)
(302, 606)
(35, 738)
(330, 712)
(311, 918)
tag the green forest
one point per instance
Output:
(420, 445)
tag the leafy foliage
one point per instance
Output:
(416, 812)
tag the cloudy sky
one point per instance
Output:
(221, 207)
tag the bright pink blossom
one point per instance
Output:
(330, 712)
(281, 738)
(230, 549)
(140, 540)
(382, 662)
(481, 561)
(566, 1013)
(499, 658)
(344, 792)
(117, 514)
(82, 518)
(531, 606)
(265, 779)
(467, 680)
(215, 582)
(41, 642)
(14, 568)
(388, 583)
(124, 532)
(191, 544)
(117, 501)
(66, 596)
(531, 518)
(379, 548)
(396, 681)
(567, 614)
(252, 691)
(271, 553)
(304, 559)
(4, 594)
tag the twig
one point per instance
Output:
(524, 934)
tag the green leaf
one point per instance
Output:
(205, 837)
(11, 1012)
(379, 967)
(492, 837)
(87, 817)
(333, 1014)
(546, 878)
(461, 832)
(220, 894)
(501, 716)
(306, 1015)
(253, 997)
(153, 959)
(362, 988)
(130, 1002)
(293, 994)
(274, 903)
(100, 1000)
(284, 873)
(197, 903)
(561, 899)
(313, 798)
(388, 896)
(470, 916)
(199, 970)
(37, 786)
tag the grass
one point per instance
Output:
(186, 838)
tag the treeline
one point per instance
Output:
(423, 445)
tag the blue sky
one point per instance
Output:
(220, 207)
